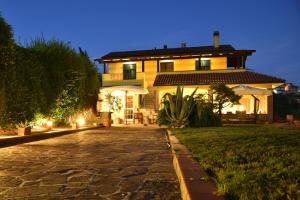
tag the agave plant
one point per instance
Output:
(24, 124)
(178, 107)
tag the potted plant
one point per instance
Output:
(24, 128)
(114, 105)
(75, 125)
(289, 118)
(297, 123)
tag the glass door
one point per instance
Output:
(129, 108)
(129, 71)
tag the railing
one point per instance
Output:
(119, 76)
(244, 118)
(116, 79)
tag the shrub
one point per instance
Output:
(203, 116)
(47, 77)
(286, 104)
(39, 119)
(162, 118)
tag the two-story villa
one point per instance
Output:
(135, 81)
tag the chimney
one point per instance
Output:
(216, 39)
(165, 46)
(183, 45)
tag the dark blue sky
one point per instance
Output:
(99, 26)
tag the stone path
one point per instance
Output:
(115, 163)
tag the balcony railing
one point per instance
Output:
(114, 79)
(119, 76)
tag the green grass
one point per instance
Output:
(248, 161)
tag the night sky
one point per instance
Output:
(271, 27)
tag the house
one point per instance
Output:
(134, 82)
(287, 88)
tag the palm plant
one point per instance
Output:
(178, 107)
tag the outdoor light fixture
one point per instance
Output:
(49, 124)
(81, 121)
(241, 108)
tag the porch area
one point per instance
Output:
(128, 105)
(255, 105)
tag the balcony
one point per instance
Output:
(116, 79)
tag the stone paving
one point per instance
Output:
(115, 163)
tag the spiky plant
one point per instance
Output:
(178, 107)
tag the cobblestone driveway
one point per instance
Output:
(115, 163)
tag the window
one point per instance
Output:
(129, 71)
(166, 67)
(204, 65)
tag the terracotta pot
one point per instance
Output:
(106, 123)
(24, 131)
(297, 123)
(289, 118)
(75, 126)
(106, 119)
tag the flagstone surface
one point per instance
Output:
(115, 163)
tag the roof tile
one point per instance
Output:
(245, 77)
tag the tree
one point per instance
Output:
(223, 96)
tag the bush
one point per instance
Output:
(203, 116)
(47, 77)
(161, 118)
(39, 119)
(285, 104)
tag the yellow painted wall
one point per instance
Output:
(150, 68)
(115, 68)
(189, 64)
(184, 64)
(218, 63)
(179, 65)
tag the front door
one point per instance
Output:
(129, 108)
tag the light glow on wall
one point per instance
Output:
(162, 61)
(81, 121)
(129, 62)
(241, 108)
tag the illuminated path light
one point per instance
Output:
(49, 124)
(81, 121)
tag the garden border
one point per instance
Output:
(192, 178)
(6, 142)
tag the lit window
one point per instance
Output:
(167, 67)
(129, 71)
(204, 65)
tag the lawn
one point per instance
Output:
(248, 161)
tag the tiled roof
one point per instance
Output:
(240, 77)
(172, 51)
